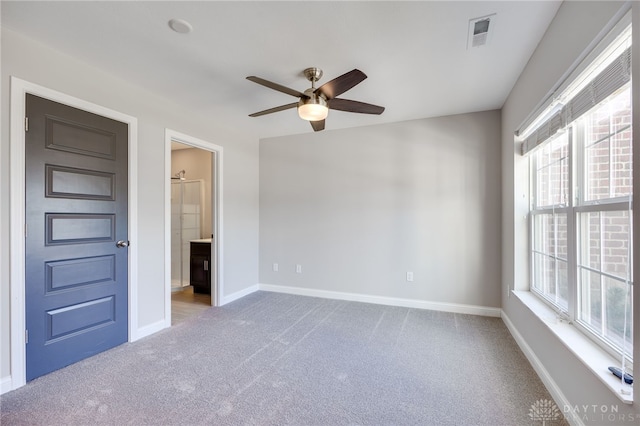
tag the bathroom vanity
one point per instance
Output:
(200, 271)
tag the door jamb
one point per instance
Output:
(19, 89)
(217, 214)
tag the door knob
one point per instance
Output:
(122, 243)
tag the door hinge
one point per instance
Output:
(26, 124)
(26, 336)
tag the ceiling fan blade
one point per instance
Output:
(317, 125)
(355, 106)
(341, 84)
(275, 109)
(276, 86)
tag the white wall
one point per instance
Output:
(197, 164)
(38, 64)
(575, 26)
(358, 208)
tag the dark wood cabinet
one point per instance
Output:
(200, 271)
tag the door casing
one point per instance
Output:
(19, 90)
(217, 283)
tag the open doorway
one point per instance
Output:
(191, 230)
(193, 223)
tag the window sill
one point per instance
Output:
(592, 356)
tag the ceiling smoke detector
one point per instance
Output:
(180, 26)
(480, 31)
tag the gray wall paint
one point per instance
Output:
(575, 26)
(359, 208)
(38, 64)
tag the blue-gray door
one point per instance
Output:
(76, 294)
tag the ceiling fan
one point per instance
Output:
(314, 103)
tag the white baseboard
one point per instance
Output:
(150, 329)
(6, 385)
(239, 294)
(389, 301)
(557, 395)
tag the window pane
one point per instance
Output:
(615, 243)
(607, 142)
(561, 242)
(590, 241)
(562, 289)
(619, 105)
(591, 299)
(550, 269)
(552, 173)
(542, 156)
(551, 280)
(543, 234)
(542, 265)
(597, 124)
(597, 169)
(603, 304)
(621, 164)
(617, 302)
(543, 196)
(550, 234)
(605, 242)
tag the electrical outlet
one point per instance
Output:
(298, 269)
(410, 276)
(275, 267)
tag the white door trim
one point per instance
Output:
(217, 214)
(19, 89)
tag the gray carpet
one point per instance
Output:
(277, 359)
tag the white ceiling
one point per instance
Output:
(414, 53)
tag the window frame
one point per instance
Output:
(572, 207)
(563, 208)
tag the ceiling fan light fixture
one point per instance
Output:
(313, 108)
(313, 105)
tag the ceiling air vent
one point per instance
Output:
(480, 31)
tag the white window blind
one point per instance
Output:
(612, 78)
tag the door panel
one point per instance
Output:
(63, 274)
(80, 317)
(71, 136)
(79, 228)
(66, 182)
(76, 289)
